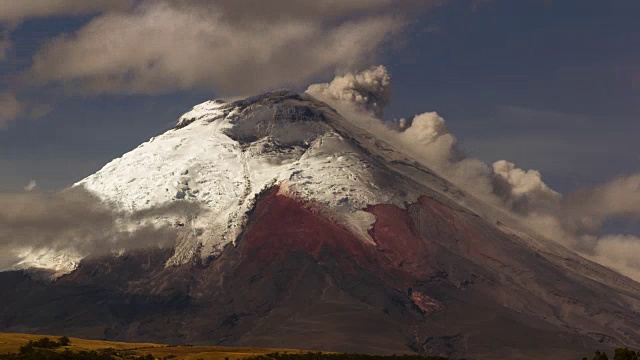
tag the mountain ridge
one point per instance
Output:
(317, 232)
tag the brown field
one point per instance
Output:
(10, 342)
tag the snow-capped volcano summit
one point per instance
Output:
(317, 233)
(224, 155)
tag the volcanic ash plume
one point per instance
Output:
(575, 220)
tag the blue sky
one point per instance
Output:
(550, 85)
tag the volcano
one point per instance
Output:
(316, 234)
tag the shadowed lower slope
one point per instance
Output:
(438, 280)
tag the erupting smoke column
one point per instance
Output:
(575, 220)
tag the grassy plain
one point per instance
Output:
(11, 343)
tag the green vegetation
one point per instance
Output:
(68, 349)
(625, 354)
(46, 349)
(32, 347)
(37, 353)
(10, 343)
(45, 343)
(619, 354)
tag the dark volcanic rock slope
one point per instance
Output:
(434, 278)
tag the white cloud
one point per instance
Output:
(77, 222)
(231, 48)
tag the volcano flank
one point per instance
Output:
(317, 234)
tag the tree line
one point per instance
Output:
(619, 354)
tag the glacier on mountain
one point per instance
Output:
(224, 155)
